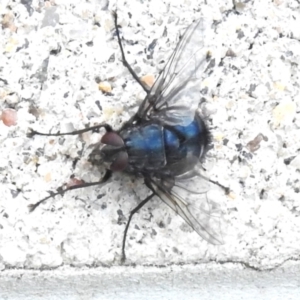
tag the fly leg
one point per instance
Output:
(125, 62)
(32, 132)
(226, 189)
(136, 209)
(61, 191)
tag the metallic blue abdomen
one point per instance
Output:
(181, 141)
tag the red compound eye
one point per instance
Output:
(120, 162)
(112, 139)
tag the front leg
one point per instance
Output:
(107, 127)
(125, 63)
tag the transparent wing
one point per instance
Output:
(176, 92)
(187, 196)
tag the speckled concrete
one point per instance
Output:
(54, 56)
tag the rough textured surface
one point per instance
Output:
(53, 57)
(208, 281)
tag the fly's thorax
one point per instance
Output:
(113, 154)
(145, 147)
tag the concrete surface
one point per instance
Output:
(53, 56)
(208, 281)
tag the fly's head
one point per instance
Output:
(113, 154)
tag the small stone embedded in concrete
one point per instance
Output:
(148, 80)
(284, 113)
(105, 86)
(9, 117)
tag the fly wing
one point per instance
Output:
(176, 92)
(187, 196)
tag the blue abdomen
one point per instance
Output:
(185, 141)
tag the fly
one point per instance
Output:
(165, 141)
